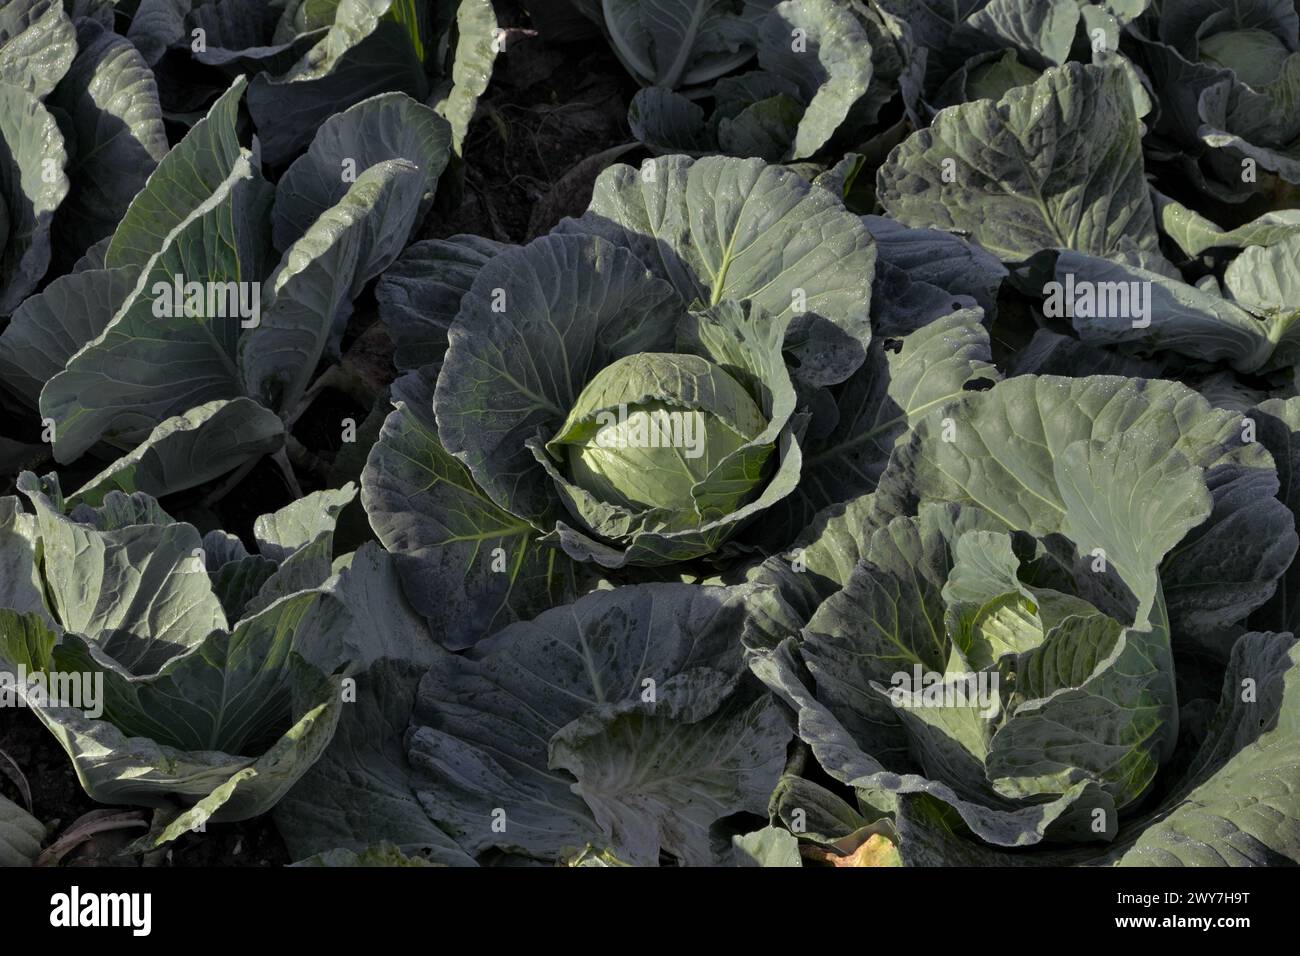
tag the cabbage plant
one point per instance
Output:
(519, 749)
(661, 44)
(1226, 78)
(84, 350)
(307, 61)
(630, 391)
(81, 129)
(827, 73)
(1006, 643)
(981, 49)
(211, 678)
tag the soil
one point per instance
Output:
(549, 108)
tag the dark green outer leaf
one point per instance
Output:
(384, 127)
(738, 229)
(365, 52)
(53, 325)
(469, 566)
(111, 100)
(190, 449)
(1055, 165)
(534, 328)
(186, 177)
(29, 196)
(419, 295)
(483, 721)
(37, 45)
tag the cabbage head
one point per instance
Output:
(650, 429)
